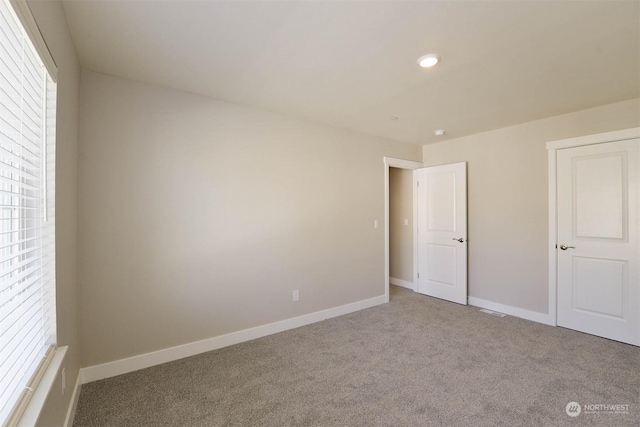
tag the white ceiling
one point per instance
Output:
(353, 64)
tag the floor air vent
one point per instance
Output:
(493, 313)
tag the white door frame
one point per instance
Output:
(390, 162)
(552, 148)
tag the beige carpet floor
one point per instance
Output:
(417, 361)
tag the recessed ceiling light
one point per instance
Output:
(439, 132)
(429, 60)
(393, 118)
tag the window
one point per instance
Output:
(27, 210)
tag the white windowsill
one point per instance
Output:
(36, 403)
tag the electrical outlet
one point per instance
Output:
(375, 223)
(296, 295)
(406, 221)
(64, 379)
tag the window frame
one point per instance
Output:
(27, 409)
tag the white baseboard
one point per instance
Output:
(403, 283)
(512, 311)
(130, 364)
(71, 412)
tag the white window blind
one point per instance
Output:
(27, 215)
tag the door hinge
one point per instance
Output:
(418, 275)
(418, 183)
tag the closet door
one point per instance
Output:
(598, 223)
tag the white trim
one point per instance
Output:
(619, 135)
(73, 405)
(552, 148)
(401, 163)
(130, 364)
(512, 311)
(403, 283)
(390, 162)
(23, 12)
(415, 231)
(36, 403)
(553, 239)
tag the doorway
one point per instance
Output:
(389, 163)
(401, 232)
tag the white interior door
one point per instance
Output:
(442, 231)
(598, 256)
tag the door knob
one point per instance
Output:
(565, 247)
(461, 240)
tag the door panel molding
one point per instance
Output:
(593, 206)
(614, 296)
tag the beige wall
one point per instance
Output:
(508, 199)
(53, 25)
(400, 235)
(199, 217)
